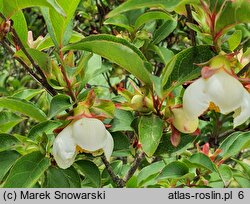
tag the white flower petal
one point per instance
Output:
(224, 91)
(64, 148)
(183, 123)
(244, 110)
(89, 134)
(195, 99)
(109, 146)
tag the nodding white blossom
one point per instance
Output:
(223, 90)
(86, 134)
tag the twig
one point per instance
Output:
(190, 20)
(39, 70)
(118, 181)
(33, 74)
(42, 80)
(109, 83)
(139, 157)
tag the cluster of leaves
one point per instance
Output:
(100, 55)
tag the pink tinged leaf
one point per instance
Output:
(175, 137)
(205, 149)
(207, 72)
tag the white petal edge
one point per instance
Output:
(195, 99)
(109, 146)
(244, 110)
(64, 148)
(224, 91)
(89, 134)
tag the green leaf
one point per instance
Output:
(182, 66)
(225, 173)
(44, 127)
(174, 170)
(7, 159)
(11, 7)
(20, 25)
(59, 104)
(41, 58)
(150, 131)
(164, 53)
(164, 30)
(8, 120)
(90, 171)
(8, 142)
(138, 4)
(120, 21)
(59, 27)
(245, 166)
(234, 143)
(242, 181)
(47, 42)
(234, 40)
(62, 178)
(234, 12)
(121, 141)
(151, 16)
(122, 121)
(27, 171)
(27, 94)
(24, 107)
(119, 51)
(149, 172)
(202, 160)
(166, 147)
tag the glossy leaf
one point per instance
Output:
(225, 173)
(8, 142)
(245, 166)
(234, 143)
(60, 27)
(166, 147)
(8, 120)
(164, 30)
(7, 159)
(24, 107)
(41, 58)
(150, 131)
(233, 13)
(149, 171)
(62, 178)
(44, 127)
(119, 51)
(182, 66)
(20, 25)
(47, 42)
(90, 171)
(174, 170)
(59, 104)
(234, 40)
(27, 94)
(27, 170)
(150, 16)
(138, 4)
(120, 21)
(11, 7)
(122, 121)
(202, 160)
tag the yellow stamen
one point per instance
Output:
(212, 106)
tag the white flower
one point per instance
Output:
(89, 134)
(224, 91)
